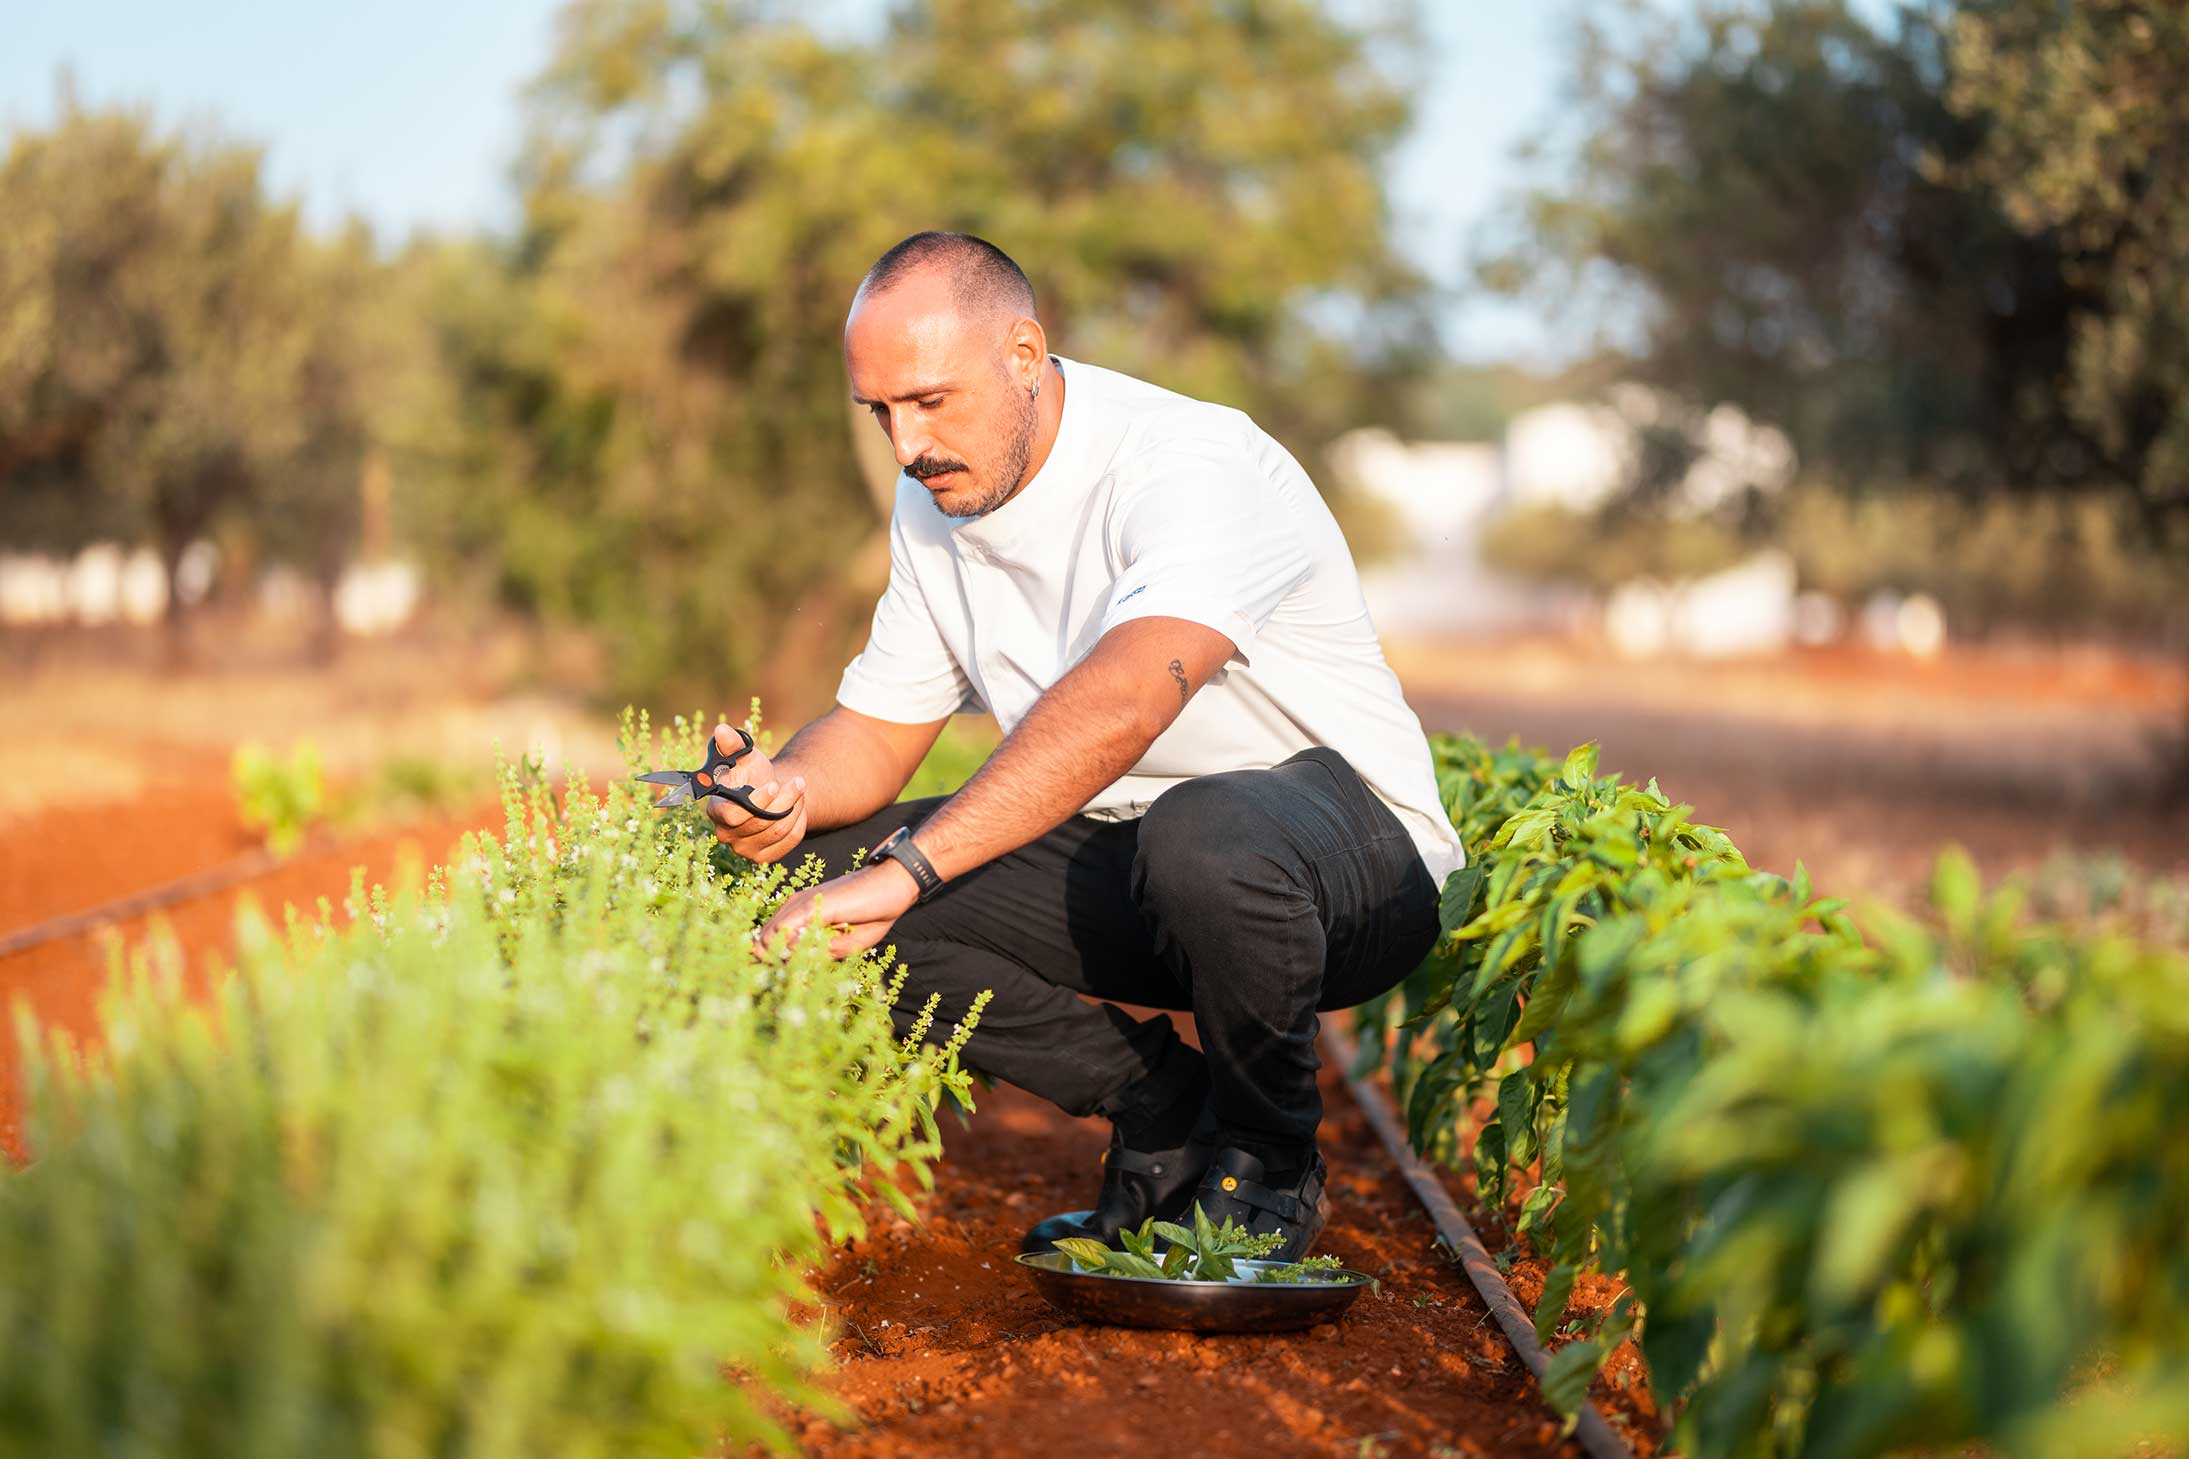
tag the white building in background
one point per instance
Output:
(104, 584)
(101, 584)
(1572, 456)
(1444, 493)
(1746, 609)
(33, 589)
(107, 586)
(376, 598)
(1567, 455)
(1575, 456)
(1441, 490)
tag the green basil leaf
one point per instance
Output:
(1086, 1252)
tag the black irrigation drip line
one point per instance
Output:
(1596, 1436)
(182, 889)
(166, 894)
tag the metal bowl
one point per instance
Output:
(1243, 1305)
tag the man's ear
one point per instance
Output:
(1029, 349)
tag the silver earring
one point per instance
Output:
(1035, 393)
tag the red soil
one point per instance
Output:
(68, 858)
(946, 1348)
(64, 860)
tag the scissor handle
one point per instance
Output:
(719, 761)
(742, 795)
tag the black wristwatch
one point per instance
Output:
(898, 847)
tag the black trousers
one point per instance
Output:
(1253, 898)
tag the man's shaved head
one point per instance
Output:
(944, 351)
(983, 279)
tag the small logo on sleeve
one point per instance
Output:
(1136, 592)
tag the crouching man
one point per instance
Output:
(1211, 794)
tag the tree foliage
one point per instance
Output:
(655, 393)
(1778, 199)
(179, 358)
(2086, 144)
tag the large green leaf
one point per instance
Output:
(1580, 767)
(1537, 1205)
(1547, 998)
(1456, 905)
(1516, 1101)
(1674, 1345)
(1864, 1220)
(1129, 1264)
(1086, 1252)
(1551, 1306)
(1489, 1159)
(1493, 1022)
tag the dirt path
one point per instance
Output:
(1866, 807)
(946, 1349)
(59, 861)
(944, 1346)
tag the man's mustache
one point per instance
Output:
(928, 466)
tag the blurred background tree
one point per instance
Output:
(149, 335)
(179, 359)
(2085, 111)
(1776, 198)
(1941, 248)
(655, 444)
(1940, 245)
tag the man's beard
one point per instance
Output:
(1018, 451)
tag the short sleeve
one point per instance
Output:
(906, 673)
(1209, 539)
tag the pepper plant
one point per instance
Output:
(1871, 1185)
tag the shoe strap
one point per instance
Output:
(1284, 1205)
(1155, 1167)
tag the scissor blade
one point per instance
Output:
(666, 777)
(677, 796)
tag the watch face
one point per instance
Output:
(891, 839)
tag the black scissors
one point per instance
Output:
(711, 779)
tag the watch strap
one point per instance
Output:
(898, 847)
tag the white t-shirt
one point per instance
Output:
(1151, 503)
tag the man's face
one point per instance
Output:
(946, 390)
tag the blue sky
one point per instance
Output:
(406, 111)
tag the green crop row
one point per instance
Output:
(530, 1159)
(1870, 1185)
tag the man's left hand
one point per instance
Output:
(862, 907)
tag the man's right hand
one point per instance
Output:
(754, 837)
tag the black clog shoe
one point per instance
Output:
(1136, 1184)
(1236, 1188)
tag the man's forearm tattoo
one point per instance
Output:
(1178, 672)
